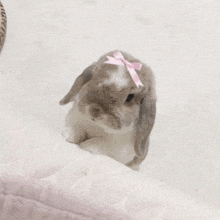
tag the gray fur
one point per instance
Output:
(143, 129)
(80, 81)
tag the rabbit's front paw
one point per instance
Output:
(68, 133)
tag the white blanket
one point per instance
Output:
(55, 180)
(44, 177)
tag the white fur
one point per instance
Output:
(118, 144)
(118, 78)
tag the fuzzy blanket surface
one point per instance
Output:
(50, 179)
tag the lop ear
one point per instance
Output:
(144, 126)
(81, 80)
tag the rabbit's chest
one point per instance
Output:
(118, 144)
(121, 146)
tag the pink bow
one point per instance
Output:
(118, 59)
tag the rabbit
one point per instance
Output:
(111, 115)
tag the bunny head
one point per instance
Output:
(107, 94)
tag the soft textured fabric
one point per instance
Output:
(52, 179)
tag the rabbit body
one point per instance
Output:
(99, 139)
(111, 115)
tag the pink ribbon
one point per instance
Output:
(118, 59)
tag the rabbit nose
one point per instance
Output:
(95, 110)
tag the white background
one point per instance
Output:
(50, 42)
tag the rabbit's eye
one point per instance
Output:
(130, 97)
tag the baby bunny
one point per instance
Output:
(114, 108)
